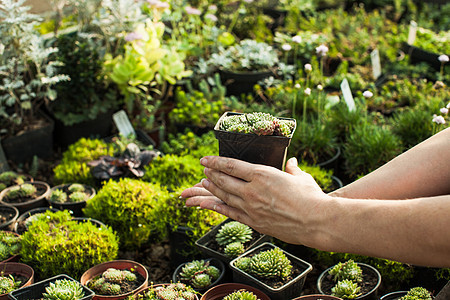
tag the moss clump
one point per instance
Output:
(55, 244)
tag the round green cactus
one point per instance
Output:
(346, 289)
(77, 197)
(241, 295)
(244, 264)
(201, 281)
(270, 264)
(76, 187)
(212, 271)
(234, 249)
(417, 293)
(129, 276)
(58, 196)
(23, 190)
(233, 232)
(63, 289)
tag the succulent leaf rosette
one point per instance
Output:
(199, 273)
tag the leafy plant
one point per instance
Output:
(346, 289)
(110, 281)
(56, 244)
(189, 143)
(417, 293)
(321, 176)
(58, 196)
(199, 274)
(234, 249)
(8, 284)
(10, 244)
(63, 289)
(168, 292)
(131, 208)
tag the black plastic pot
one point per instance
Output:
(371, 295)
(394, 295)
(97, 223)
(290, 290)
(36, 290)
(242, 82)
(39, 142)
(204, 243)
(76, 208)
(266, 150)
(179, 246)
(212, 262)
(12, 212)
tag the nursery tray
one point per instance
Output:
(36, 290)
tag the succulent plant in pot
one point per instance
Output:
(10, 245)
(200, 274)
(166, 292)
(234, 291)
(26, 196)
(72, 197)
(9, 178)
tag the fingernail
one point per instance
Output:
(203, 161)
(205, 182)
(293, 160)
(205, 171)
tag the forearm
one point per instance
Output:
(410, 231)
(422, 171)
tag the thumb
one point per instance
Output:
(292, 167)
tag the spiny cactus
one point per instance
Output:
(233, 232)
(63, 289)
(58, 196)
(8, 284)
(347, 270)
(199, 273)
(241, 295)
(258, 123)
(234, 249)
(346, 289)
(10, 244)
(75, 187)
(176, 291)
(417, 293)
(23, 190)
(271, 263)
(77, 197)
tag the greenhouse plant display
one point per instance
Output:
(116, 279)
(72, 197)
(350, 280)
(26, 196)
(229, 239)
(8, 216)
(58, 287)
(255, 137)
(10, 245)
(14, 276)
(200, 274)
(166, 291)
(276, 272)
(234, 291)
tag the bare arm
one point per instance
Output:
(422, 171)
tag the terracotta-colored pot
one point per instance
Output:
(317, 297)
(39, 201)
(155, 286)
(18, 269)
(120, 265)
(222, 290)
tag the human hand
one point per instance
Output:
(280, 204)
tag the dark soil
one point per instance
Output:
(6, 215)
(369, 282)
(125, 286)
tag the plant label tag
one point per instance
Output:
(376, 65)
(412, 32)
(347, 93)
(3, 162)
(123, 123)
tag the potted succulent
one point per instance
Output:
(26, 196)
(116, 279)
(14, 276)
(72, 197)
(200, 274)
(241, 66)
(231, 291)
(27, 75)
(166, 291)
(57, 287)
(10, 244)
(229, 239)
(350, 280)
(8, 216)
(276, 272)
(255, 137)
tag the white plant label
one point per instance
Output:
(412, 32)
(376, 65)
(347, 93)
(123, 123)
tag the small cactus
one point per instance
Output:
(346, 289)
(244, 264)
(109, 282)
(25, 190)
(8, 284)
(201, 281)
(58, 196)
(129, 276)
(241, 295)
(234, 249)
(348, 270)
(75, 187)
(63, 289)
(169, 292)
(113, 275)
(77, 197)
(10, 244)
(233, 232)
(271, 263)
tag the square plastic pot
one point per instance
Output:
(290, 290)
(204, 242)
(36, 290)
(252, 148)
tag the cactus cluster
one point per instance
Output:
(8, 284)
(75, 193)
(258, 123)
(241, 295)
(26, 190)
(266, 264)
(347, 270)
(346, 289)
(175, 291)
(10, 244)
(58, 196)
(63, 289)
(232, 236)
(417, 293)
(76, 187)
(109, 283)
(199, 274)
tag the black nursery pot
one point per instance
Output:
(252, 148)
